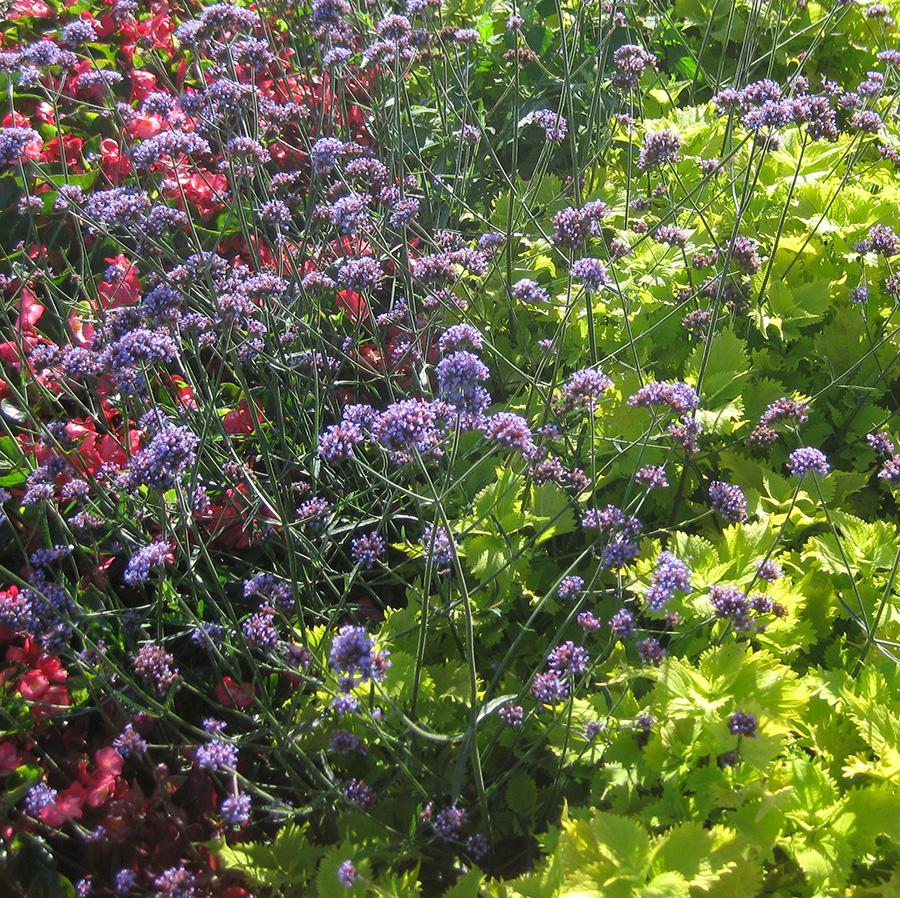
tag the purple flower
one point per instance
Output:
(366, 549)
(549, 689)
(671, 575)
(569, 587)
(529, 291)
(407, 425)
(622, 624)
(15, 141)
(347, 874)
(438, 545)
(659, 147)
(175, 882)
(678, 396)
(769, 570)
(337, 442)
(785, 409)
(881, 443)
(362, 275)
(572, 227)
(509, 430)
(512, 715)
(619, 553)
(148, 557)
(39, 797)
(588, 621)
(353, 653)
(890, 470)
(162, 462)
(882, 241)
(631, 61)
(344, 741)
(260, 631)
(129, 742)
(350, 214)
(275, 213)
(592, 272)
(447, 823)
(217, 755)
(554, 125)
(732, 604)
(459, 335)
(802, 461)
(167, 144)
(235, 809)
(728, 500)
(154, 663)
(459, 377)
(592, 729)
(345, 704)
(325, 153)
(604, 519)
(651, 652)
(742, 723)
(124, 881)
(584, 387)
(359, 793)
(568, 659)
(652, 476)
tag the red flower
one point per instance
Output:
(229, 692)
(240, 419)
(123, 292)
(143, 83)
(115, 165)
(30, 9)
(10, 758)
(352, 305)
(67, 806)
(42, 684)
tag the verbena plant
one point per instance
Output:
(450, 449)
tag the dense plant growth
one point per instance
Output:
(450, 449)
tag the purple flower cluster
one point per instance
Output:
(677, 396)
(554, 125)
(728, 500)
(157, 665)
(671, 575)
(584, 388)
(807, 459)
(366, 549)
(742, 723)
(353, 654)
(172, 450)
(631, 62)
(659, 147)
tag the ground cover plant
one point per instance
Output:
(449, 449)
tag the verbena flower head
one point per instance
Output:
(591, 272)
(671, 575)
(728, 500)
(679, 397)
(808, 459)
(584, 388)
(742, 723)
(347, 874)
(353, 653)
(659, 147)
(366, 549)
(554, 125)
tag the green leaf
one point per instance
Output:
(521, 793)
(467, 886)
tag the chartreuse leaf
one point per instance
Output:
(289, 859)
(467, 886)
